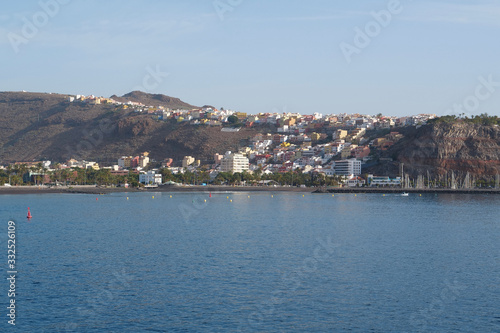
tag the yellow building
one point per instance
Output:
(290, 121)
(92, 165)
(244, 150)
(379, 141)
(125, 162)
(341, 134)
(240, 115)
(345, 153)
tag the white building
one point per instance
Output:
(151, 177)
(326, 172)
(383, 181)
(124, 162)
(187, 161)
(91, 165)
(234, 163)
(143, 160)
(337, 147)
(351, 167)
(355, 181)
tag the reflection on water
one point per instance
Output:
(253, 262)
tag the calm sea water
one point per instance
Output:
(279, 262)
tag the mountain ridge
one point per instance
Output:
(41, 126)
(153, 100)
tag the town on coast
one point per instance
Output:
(302, 151)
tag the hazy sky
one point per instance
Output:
(261, 56)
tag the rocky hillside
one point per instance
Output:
(48, 127)
(443, 147)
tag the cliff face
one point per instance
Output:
(459, 147)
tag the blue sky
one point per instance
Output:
(260, 56)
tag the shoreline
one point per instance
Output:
(407, 190)
(19, 190)
(84, 189)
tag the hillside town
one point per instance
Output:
(293, 124)
(285, 149)
(333, 149)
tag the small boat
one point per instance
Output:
(405, 194)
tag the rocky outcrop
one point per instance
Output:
(460, 147)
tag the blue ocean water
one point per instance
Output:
(263, 262)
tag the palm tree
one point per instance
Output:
(17, 180)
(9, 170)
(53, 176)
(41, 170)
(80, 176)
(33, 170)
(65, 176)
(106, 176)
(20, 170)
(166, 175)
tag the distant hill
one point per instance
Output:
(154, 100)
(35, 126)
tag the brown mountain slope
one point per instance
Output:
(46, 126)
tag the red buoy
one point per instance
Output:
(29, 214)
(210, 195)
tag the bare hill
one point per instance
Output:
(48, 127)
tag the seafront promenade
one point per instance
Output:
(87, 189)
